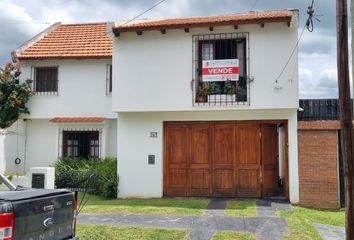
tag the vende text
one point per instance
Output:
(218, 71)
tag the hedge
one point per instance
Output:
(95, 175)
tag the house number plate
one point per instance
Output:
(153, 134)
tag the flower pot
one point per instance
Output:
(201, 99)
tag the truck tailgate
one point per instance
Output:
(48, 217)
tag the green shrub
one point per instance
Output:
(74, 173)
(107, 178)
(82, 164)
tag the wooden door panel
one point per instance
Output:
(177, 183)
(177, 178)
(223, 179)
(248, 144)
(223, 182)
(177, 148)
(248, 157)
(223, 159)
(176, 165)
(200, 183)
(200, 160)
(200, 144)
(270, 159)
(223, 144)
(247, 186)
(200, 179)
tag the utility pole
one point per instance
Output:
(352, 43)
(346, 126)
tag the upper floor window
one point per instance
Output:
(45, 79)
(109, 78)
(220, 69)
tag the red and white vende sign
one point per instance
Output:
(220, 70)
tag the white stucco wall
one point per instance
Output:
(81, 89)
(138, 179)
(42, 144)
(81, 92)
(12, 146)
(153, 72)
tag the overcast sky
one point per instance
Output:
(22, 19)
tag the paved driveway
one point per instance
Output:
(266, 225)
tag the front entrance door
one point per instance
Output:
(270, 160)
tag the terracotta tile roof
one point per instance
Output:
(235, 19)
(70, 41)
(77, 119)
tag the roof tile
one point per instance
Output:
(77, 119)
(235, 19)
(72, 41)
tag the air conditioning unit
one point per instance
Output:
(42, 177)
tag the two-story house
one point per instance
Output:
(71, 116)
(205, 108)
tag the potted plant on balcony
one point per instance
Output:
(215, 91)
(202, 93)
(241, 90)
(230, 90)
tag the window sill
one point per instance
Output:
(45, 93)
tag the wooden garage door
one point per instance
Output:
(217, 159)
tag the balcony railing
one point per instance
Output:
(227, 93)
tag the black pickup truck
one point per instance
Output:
(36, 214)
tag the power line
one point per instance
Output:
(254, 5)
(291, 55)
(309, 26)
(311, 13)
(139, 15)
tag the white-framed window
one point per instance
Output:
(81, 143)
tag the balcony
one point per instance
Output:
(227, 93)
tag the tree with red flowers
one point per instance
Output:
(13, 95)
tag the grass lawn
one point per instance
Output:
(230, 235)
(240, 208)
(164, 206)
(102, 232)
(301, 220)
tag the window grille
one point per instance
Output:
(82, 143)
(45, 80)
(219, 47)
